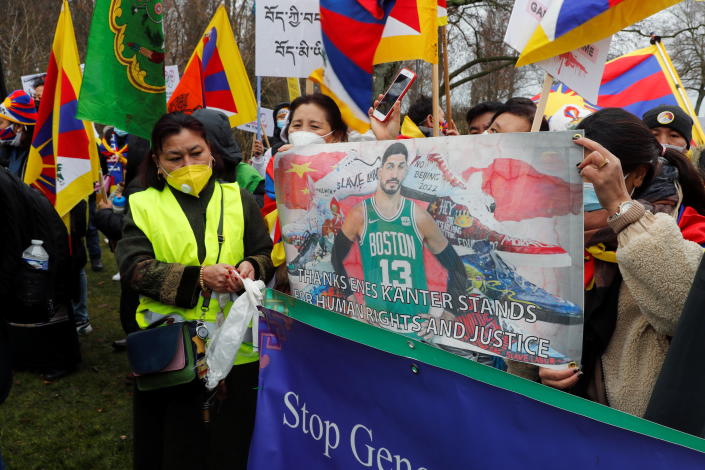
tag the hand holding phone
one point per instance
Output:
(396, 92)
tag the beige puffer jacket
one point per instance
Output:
(658, 267)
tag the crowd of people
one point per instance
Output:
(194, 225)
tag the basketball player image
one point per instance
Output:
(391, 232)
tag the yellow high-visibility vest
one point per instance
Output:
(160, 217)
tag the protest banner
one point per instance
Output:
(171, 78)
(580, 69)
(288, 38)
(473, 252)
(339, 394)
(267, 120)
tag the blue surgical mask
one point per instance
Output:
(590, 201)
(120, 132)
(281, 123)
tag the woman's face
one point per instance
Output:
(507, 122)
(183, 149)
(311, 118)
(668, 136)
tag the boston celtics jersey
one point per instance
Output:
(392, 259)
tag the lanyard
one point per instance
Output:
(207, 295)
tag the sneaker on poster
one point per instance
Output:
(84, 328)
(490, 275)
(517, 251)
(463, 230)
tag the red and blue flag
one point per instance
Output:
(215, 76)
(637, 82)
(63, 158)
(351, 31)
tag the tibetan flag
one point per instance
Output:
(63, 158)
(642, 80)
(347, 77)
(570, 24)
(442, 13)
(124, 73)
(410, 32)
(637, 82)
(215, 77)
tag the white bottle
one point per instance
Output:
(36, 256)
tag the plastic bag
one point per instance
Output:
(227, 338)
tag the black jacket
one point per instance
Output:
(26, 215)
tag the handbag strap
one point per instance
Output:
(221, 239)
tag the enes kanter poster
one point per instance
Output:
(472, 244)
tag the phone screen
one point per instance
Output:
(393, 93)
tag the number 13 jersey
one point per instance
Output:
(392, 255)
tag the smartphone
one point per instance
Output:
(396, 91)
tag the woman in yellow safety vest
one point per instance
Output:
(172, 255)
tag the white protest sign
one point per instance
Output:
(28, 82)
(267, 117)
(288, 38)
(581, 69)
(171, 79)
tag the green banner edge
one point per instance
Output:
(417, 352)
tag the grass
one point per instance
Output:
(83, 421)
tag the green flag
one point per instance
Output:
(123, 80)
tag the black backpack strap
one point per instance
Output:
(221, 239)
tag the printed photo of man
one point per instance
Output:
(391, 232)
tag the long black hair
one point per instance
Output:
(168, 125)
(628, 138)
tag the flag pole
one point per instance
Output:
(541, 106)
(264, 135)
(436, 98)
(449, 108)
(259, 106)
(656, 40)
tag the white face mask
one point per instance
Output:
(307, 138)
(674, 147)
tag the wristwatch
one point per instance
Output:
(627, 213)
